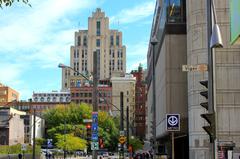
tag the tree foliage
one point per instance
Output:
(16, 149)
(70, 142)
(8, 3)
(73, 115)
(136, 143)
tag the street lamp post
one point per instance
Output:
(95, 107)
(154, 41)
(95, 91)
(34, 132)
(214, 40)
(64, 151)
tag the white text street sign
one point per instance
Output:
(87, 120)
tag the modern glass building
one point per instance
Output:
(169, 26)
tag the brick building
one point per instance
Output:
(140, 102)
(8, 94)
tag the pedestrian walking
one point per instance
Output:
(20, 156)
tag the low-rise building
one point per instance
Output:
(125, 84)
(8, 94)
(81, 91)
(43, 101)
(11, 126)
(28, 127)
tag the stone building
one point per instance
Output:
(125, 84)
(181, 30)
(11, 126)
(100, 38)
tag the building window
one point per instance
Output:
(79, 41)
(111, 40)
(113, 53)
(117, 40)
(74, 54)
(77, 65)
(36, 99)
(118, 53)
(98, 28)
(77, 53)
(98, 42)
(85, 41)
(176, 11)
(82, 53)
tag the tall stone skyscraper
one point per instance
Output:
(98, 37)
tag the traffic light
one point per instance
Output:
(209, 117)
(152, 143)
(101, 143)
(89, 131)
(152, 128)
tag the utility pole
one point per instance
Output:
(121, 156)
(127, 124)
(34, 127)
(154, 41)
(95, 84)
(210, 69)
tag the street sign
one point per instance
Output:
(122, 139)
(24, 147)
(94, 146)
(195, 68)
(94, 127)
(95, 131)
(95, 137)
(121, 133)
(87, 120)
(49, 143)
(173, 122)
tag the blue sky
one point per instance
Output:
(34, 40)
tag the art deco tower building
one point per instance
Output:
(98, 37)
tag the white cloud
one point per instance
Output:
(42, 33)
(39, 36)
(135, 54)
(134, 14)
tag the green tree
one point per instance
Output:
(73, 114)
(10, 2)
(136, 143)
(70, 142)
(77, 130)
(39, 141)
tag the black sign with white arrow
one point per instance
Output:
(173, 122)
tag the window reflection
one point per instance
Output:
(176, 11)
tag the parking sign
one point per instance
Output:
(173, 122)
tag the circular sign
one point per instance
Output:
(172, 120)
